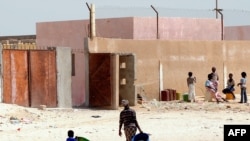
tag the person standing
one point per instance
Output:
(243, 88)
(215, 77)
(215, 74)
(128, 119)
(191, 87)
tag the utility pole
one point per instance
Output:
(216, 7)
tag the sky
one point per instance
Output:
(19, 17)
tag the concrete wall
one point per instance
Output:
(64, 65)
(237, 33)
(1, 72)
(72, 33)
(127, 78)
(115, 28)
(177, 28)
(67, 34)
(177, 59)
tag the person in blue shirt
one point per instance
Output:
(243, 88)
(70, 136)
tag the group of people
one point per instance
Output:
(127, 120)
(212, 83)
(128, 116)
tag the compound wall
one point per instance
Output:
(177, 59)
(72, 34)
(237, 33)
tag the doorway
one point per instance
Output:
(111, 79)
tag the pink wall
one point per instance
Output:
(72, 34)
(67, 34)
(115, 28)
(177, 28)
(237, 33)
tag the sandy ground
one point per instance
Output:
(164, 121)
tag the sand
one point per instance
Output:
(164, 121)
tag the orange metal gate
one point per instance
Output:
(29, 77)
(43, 78)
(15, 77)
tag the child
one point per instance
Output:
(230, 86)
(243, 87)
(191, 87)
(70, 136)
(211, 88)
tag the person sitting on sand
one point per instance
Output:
(210, 86)
(230, 86)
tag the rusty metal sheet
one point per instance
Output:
(100, 80)
(43, 86)
(15, 77)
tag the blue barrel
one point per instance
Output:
(141, 137)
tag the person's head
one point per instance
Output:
(190, 74)
(243, 74)
(71, 133)
(230, 75)
(213, 69)
(125, 103)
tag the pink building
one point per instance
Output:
(73, 33)
(237, 33)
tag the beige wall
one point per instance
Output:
(178, 58)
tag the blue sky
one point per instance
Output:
(19, 17)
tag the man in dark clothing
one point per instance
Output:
(128, 119)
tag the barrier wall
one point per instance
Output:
(177, 59)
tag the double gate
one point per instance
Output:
(29, 77)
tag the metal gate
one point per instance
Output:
(29, 77)
(100, 79)
(15, 77)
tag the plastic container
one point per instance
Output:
(141, 137)
(229, 96)
(165, 95)
(178, 96)
(185, 97)
(82, 139)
